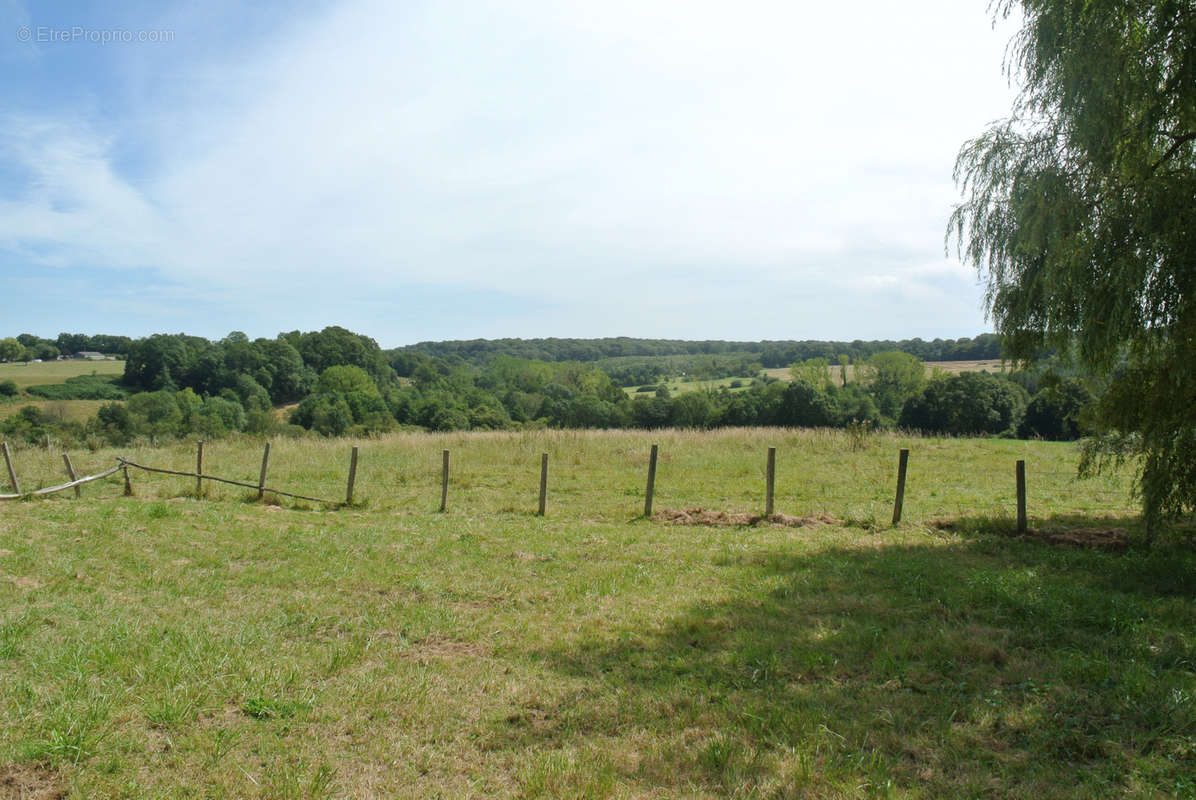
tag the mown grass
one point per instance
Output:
(165, 646)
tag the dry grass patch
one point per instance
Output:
(702, 516)
(30, 782)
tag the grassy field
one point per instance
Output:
(57, 371)
(63, 410)
(54, 372)
(676, 385)
(166, 646)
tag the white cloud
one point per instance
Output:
(556, 151)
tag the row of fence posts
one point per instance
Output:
(649, 492)
(770, 485)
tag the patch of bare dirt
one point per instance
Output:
(519, 555)
(23, 582)
(438, 648)
(30, 782)
(1112, 539)
(702, 516)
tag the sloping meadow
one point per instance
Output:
(169, 645)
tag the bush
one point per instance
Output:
(450, 419)
(8, 389)
(81, 387)
(28, 424)
(218, 416)
(156, 413)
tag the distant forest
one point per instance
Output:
(336, 382)
(771, 354)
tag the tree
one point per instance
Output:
(1054, 413)
(814, 371)
(892, 378)
(1078, 212)
(968, 404)
(345, 379)
(11, 349)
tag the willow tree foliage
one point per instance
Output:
(1080, 211)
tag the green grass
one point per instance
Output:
(60, 410)
(678, 385)
(164, 646)
(51, 372)
(57, 371)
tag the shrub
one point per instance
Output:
(218, 416)
(81, 387)
(450, 419)
(8, 389)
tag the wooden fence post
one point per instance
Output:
(128, 483)
(70, 471)
(771, 481)
(352, 477)
(543, 483)
(902, 466)
(444, 475)
(1021, 497)
(651, 490)
(199, 468)
(12, 473)
(261, 482)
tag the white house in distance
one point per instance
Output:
(89, 355)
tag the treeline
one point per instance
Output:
(337, 382)
(27, 347)
(771, 354)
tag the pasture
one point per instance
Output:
(24, 375)
(163, 645)
(56, 371)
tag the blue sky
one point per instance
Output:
(432, 170)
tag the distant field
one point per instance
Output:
(60, 410)
(165, 646)
(676, 385)
(57, 371)
(953, 367)
(783, 374)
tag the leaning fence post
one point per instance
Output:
(444, 472)
(902, 465)
(199, 468)
(352, 477)
(70, 471)
(12, 473)
(771, 481)
(543, 483)
(651, 490)
(1021, 497)
(261, 483)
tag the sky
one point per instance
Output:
(426, 170)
